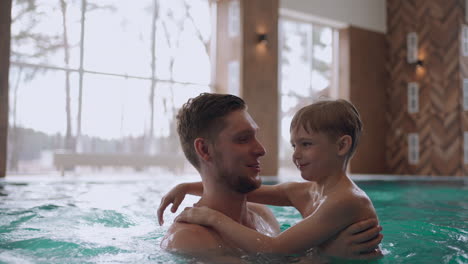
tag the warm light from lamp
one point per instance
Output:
(420, 70)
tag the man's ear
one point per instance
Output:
(202, 148)
(344, 144)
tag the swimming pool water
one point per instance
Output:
(112, 220)
(424, 222)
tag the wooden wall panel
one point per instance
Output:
(438, 26)
(260, 74)
(464, 114)
(5, 29)
(363, 81)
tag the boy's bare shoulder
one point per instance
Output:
(352, 202)
(304, 196)
(191, 239)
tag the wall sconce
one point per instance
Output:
(419, 63)
(262, 38)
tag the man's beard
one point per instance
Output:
(239, 183)
(246, 184)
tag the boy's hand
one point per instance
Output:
(199, 215)
(174, 196)
(358, 241)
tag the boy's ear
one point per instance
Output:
(344, 144)
(202, 148)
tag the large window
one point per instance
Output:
(306, 71)
(103, 76)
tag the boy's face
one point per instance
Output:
(315, 154)
(237, 152)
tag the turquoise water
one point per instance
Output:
(112, 220)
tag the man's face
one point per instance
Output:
(237, 152)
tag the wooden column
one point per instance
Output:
(256, 80)
(5, 24)
(363, 81)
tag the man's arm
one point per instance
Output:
(358, 241)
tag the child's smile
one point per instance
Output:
(314, 153)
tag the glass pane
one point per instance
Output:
(305, 72)
(296, 57)
(37, 32)
(114, 107)
(182, 41)
(116, 112)
(118, 37)
(323, 45)
(38, 99)
(286, 150)
(322, 60)
(38, 119)
(169, 98)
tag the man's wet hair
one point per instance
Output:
(203, 117)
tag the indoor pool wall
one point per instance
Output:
(105, 218)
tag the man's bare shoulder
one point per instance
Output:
(190, 239)
(200, 242)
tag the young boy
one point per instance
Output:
(324, 136)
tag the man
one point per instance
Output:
(219, 138)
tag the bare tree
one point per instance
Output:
(69, 142)
(206, 44)
(153, 68)
(85, 8)
(180, 27)
(14, 157)
(43, 44)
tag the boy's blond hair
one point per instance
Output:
(335, 118)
